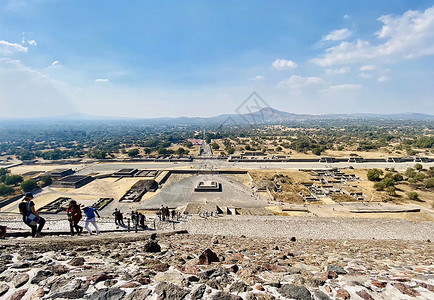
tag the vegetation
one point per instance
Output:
(28, 185)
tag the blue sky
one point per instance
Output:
(203, 58)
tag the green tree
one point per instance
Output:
(418, 167)
(180, 151)
(391, 190)
(413, 196)
(28, 185)
(46, 181)
(429, 182)
(215, 146)
(133, 152)
(4, 171)
(388, 182)
(410, 173)
(5, 189)
(374, 174)
(13, 179)
(379, 186)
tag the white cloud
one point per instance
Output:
(297, 82)
(282, 64)
(102, 80)
(383, 78)
(367, 68)
(55, 63)
(410, 35)
(337, 35)
(9, 48)
(346, 17)
(33, 43)
(342, 70)
(346, 86)
(365, 75)
(258, 77)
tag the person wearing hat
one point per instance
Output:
(90, 218)
(30, 216)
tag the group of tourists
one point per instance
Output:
(74, 211)
(164, 213)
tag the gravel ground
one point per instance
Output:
(311, 228)
(266, 226)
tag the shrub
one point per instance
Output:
(413, 196)
(374, 174)
(379, 186)
(5, 189)
(28, 185)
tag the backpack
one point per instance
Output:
(30, 219)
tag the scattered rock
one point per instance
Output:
(365, 295)
(139, 294)
(379, 284)
(58, 269)
(337, 269)
(40, 276)
(167, 290)
(295, 291)
(160, 267)
(321, 295)
(293, 239)
(198, 293)
(4, 288)
(207, 257)
(406, 290)
(108, 294)
(20, 265)
(239, 287)
(342, 294)
(225, 296)
(20, 279)
(100, 277)
(76, 261)
(18, 295)
(38, 294)
(68, 288)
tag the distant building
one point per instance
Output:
(73, 181)
(196, 141)
(61, 172)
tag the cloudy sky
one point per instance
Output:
(203, 58)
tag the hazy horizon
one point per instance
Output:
(203, 59)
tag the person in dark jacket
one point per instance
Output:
(30, 216)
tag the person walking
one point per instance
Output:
(74, 216)
(30, 216)
(116, 214)
(90, 218)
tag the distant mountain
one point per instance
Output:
(262, 116)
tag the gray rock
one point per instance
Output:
(138, 294)
(40, 276)
(20, 279)
(198, 293)
(225, 296)
(76, 261)
(321, 295)
(207, 257)
(295, 291)
(170, 291)
(20, 265)
(239, 287)
(8, 276)
(18, 295)
(111, 294)
(58, 269)
(4, 288)
(337, 269)
(68, 288)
